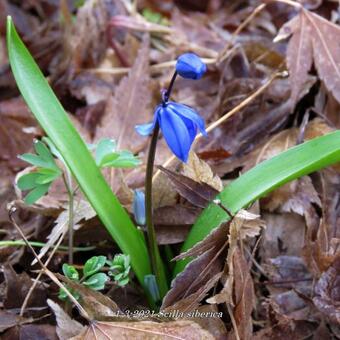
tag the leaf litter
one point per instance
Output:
(273, 270)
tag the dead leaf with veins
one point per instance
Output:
(313, 41)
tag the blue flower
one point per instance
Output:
(179, 124)
(190, 66)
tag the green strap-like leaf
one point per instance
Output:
(262, 179)
(57, 125)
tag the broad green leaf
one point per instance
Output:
(265, 177)
(70, 272)
(96, 281)
(47, 175)
(93, 265)
(34, 160)
(57, 125)
(104, 147)
(107, 155)
(125, 159)
(38, 192)
(28, 181)
(44, 153)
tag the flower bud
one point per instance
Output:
(190, 66)
(139, 207)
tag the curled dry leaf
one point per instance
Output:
(313, 40)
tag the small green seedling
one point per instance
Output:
(91, 278)
(120, 269)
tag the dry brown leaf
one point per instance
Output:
(313, 40)
(244, 224)
(244, 296)
(199, 194)
(192, 301)
(195, 276)
(144, 330)
(17, 130)
(200, 171)
(173, 223)
(66, 326)
(327, 292)
(129, 106)
(213, 325)
(284, 232)
(17, 287)
(9, 320)
(215, 238)
(84, 42)
(297, 196)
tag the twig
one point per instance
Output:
(45, 270)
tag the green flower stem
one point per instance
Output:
(18, 243)
(156, 261)
(70, 193)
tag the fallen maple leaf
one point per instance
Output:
(314, 40)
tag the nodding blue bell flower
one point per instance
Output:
(190, 66)
(179, 124)
(139, 207)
